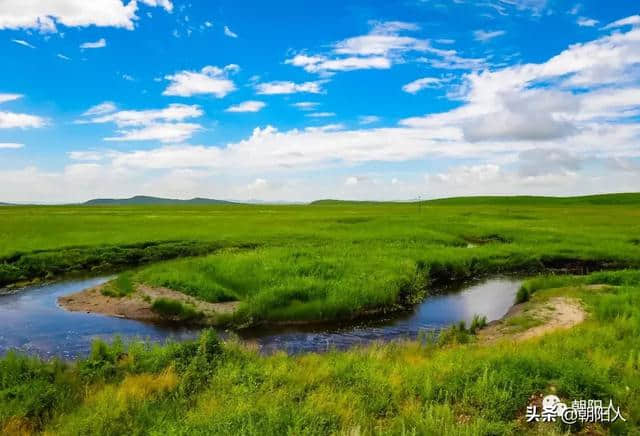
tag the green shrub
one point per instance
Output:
(120, 287)
(175, 309)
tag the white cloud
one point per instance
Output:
(11, 145)
(101, 109)
(368, 119)
(210, 80)
(165, 125)
(46, 15)
(164, 132)
(305, 105)
(257, 184)
(485, 35)
(97, 44)
(554, 127)
(383, 40)
(9, 97)
(86, 155)
(352, 180)
(334, 127)
(633, 20)
(63, 57)
(229, 33)
(586, 22)
(173, 112)
(575, 9)
(379, 49)
(23, 43)
(316, 64)
(321, 114)
(420, 84)
(247, 106)
(9, 120)
(287, 87)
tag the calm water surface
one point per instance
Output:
(31, 321)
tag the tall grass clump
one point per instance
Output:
(170, 308)
(121, 286)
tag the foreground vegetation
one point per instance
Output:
(444, 387)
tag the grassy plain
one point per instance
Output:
(323, 261)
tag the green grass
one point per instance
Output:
(122, 286)
(457, 387)
(324, 261)
(175, 309)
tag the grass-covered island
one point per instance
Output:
(577, 336)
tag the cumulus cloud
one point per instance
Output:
(581, 109)
(45, 16)
(368, 119)
(11, 120)
(101, 109)
(378, 49)
(316, 64)
(321, 114)
(101, 43)
(229, 33)
(12, 145)
(165, 125)
(633, 20)
(164, 132)
(306, 105)
(287, 87)
(210, 80)
(247, 106)
(420, 84)
(586, 22)
(485, 35)
(9, 97)
(386, 44)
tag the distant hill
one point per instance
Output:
(602, 199)
(6, 204)
(145, 200)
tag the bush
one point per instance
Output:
(175, 309)
(477, 323)
(120, 287)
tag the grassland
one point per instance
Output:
(324, 261)
(427, 388)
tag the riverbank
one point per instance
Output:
(139, 305)
(419, 387)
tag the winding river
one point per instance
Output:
(32, 322)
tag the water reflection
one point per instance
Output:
(33, 323)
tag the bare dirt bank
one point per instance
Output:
(533, 319)
(138, 305)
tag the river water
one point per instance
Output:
(32, 322)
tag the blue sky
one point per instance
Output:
(296, 101)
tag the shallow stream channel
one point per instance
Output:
(32, 322)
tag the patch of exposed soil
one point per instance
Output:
(543, 317)
(138, 304)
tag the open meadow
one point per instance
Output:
(332, 261)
